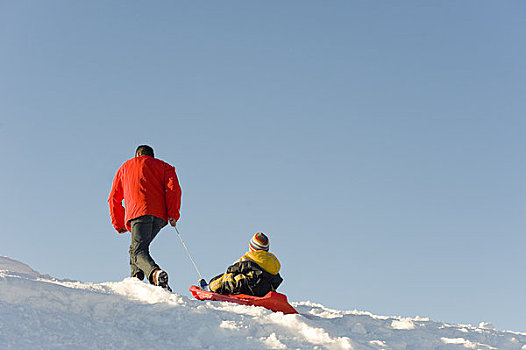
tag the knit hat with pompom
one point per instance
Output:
(259, 242)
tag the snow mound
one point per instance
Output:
(45, 313)
(17, 267)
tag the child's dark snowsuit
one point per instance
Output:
(256, 273)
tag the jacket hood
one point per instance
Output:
(267, 261)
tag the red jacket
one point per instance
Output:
(148, 186)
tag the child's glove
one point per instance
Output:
(203, 285)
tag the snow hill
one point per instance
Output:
(41, 312)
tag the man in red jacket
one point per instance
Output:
(152, 197)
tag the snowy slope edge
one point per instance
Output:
(42, 312)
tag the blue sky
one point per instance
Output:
(380, 145)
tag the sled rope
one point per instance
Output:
(188, 252)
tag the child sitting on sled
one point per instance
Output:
(255, 273)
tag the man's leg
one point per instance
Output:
(143, 231)
(159, 277)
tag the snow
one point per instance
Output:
(41, 312)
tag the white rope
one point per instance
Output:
(188, 252)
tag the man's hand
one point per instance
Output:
(122, 230)
(172, 221)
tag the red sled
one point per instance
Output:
(274, 301)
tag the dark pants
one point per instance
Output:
(143, 231)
